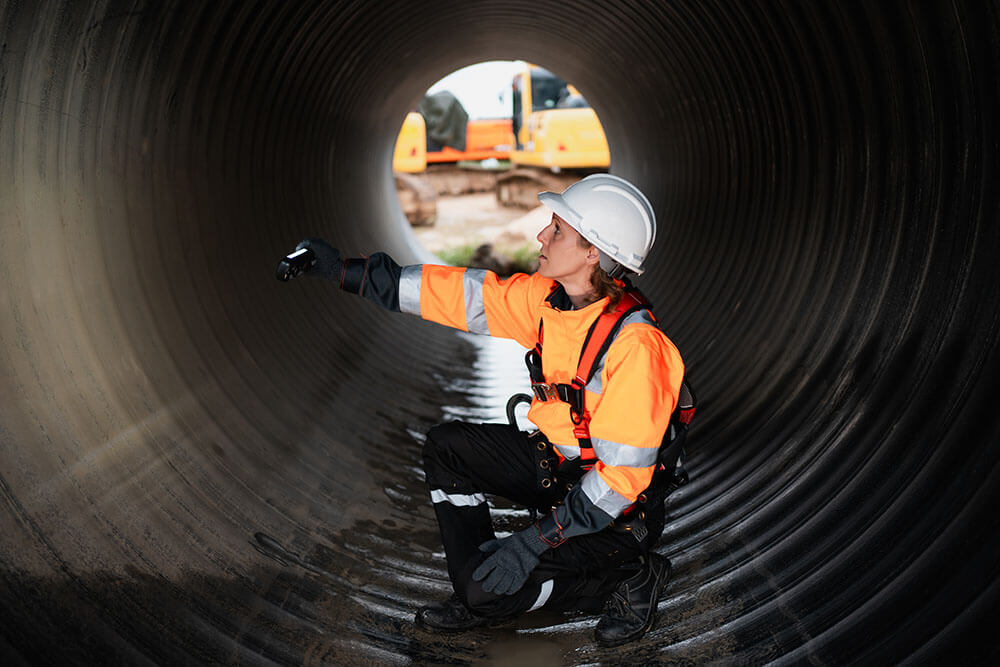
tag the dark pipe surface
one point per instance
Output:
(200, 464)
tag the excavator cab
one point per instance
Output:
(558, 138)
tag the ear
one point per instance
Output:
(593, 255)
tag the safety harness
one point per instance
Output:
(602, 332)
(669, 473)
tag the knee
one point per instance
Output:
(440, 440)
(440, 453)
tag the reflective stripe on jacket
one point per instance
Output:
(630, 398)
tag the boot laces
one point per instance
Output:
(618, 605)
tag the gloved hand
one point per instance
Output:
(510, 562)
(328, 260)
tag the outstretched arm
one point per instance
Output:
(472, 300)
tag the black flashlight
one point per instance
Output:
(295, 263)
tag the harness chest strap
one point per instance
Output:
(598, 340)
(595, 345)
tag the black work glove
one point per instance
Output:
(328, 260)
(510, 562)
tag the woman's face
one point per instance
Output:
(562, 257)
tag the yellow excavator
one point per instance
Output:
(409, 162)
(558, 138)
(439, 151)
(410, 155)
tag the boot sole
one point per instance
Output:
(446, 629)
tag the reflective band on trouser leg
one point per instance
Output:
(543, 595)
(457, 499)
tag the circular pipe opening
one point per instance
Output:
(203, 464)
(479, 146)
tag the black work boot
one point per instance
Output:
(631, 610)
(450, 616)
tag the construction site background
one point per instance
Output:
(469, 187)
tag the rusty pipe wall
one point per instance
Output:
(202, 464)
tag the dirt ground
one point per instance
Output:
(474, 219)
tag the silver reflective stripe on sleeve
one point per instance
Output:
(543, 595)
(568, 451)
(409, 289)
(617, 454)
(596, 386)
(475, 312)
(603, 496)
(457, 499)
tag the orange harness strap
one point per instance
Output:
(595, 345)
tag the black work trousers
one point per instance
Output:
(463, 462)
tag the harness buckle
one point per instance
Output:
(544, 391)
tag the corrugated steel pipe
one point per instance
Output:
(202, 464)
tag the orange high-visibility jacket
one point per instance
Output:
(630, 397)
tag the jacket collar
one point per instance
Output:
(559, 300)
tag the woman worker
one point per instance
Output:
(589, 468)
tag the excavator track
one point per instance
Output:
(520, 187)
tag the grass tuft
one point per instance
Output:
(505, 262)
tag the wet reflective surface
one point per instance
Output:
(199, 464)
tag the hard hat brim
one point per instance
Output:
(558, 205)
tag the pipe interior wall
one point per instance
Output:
(202, 464)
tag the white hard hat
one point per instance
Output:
(610, 213)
